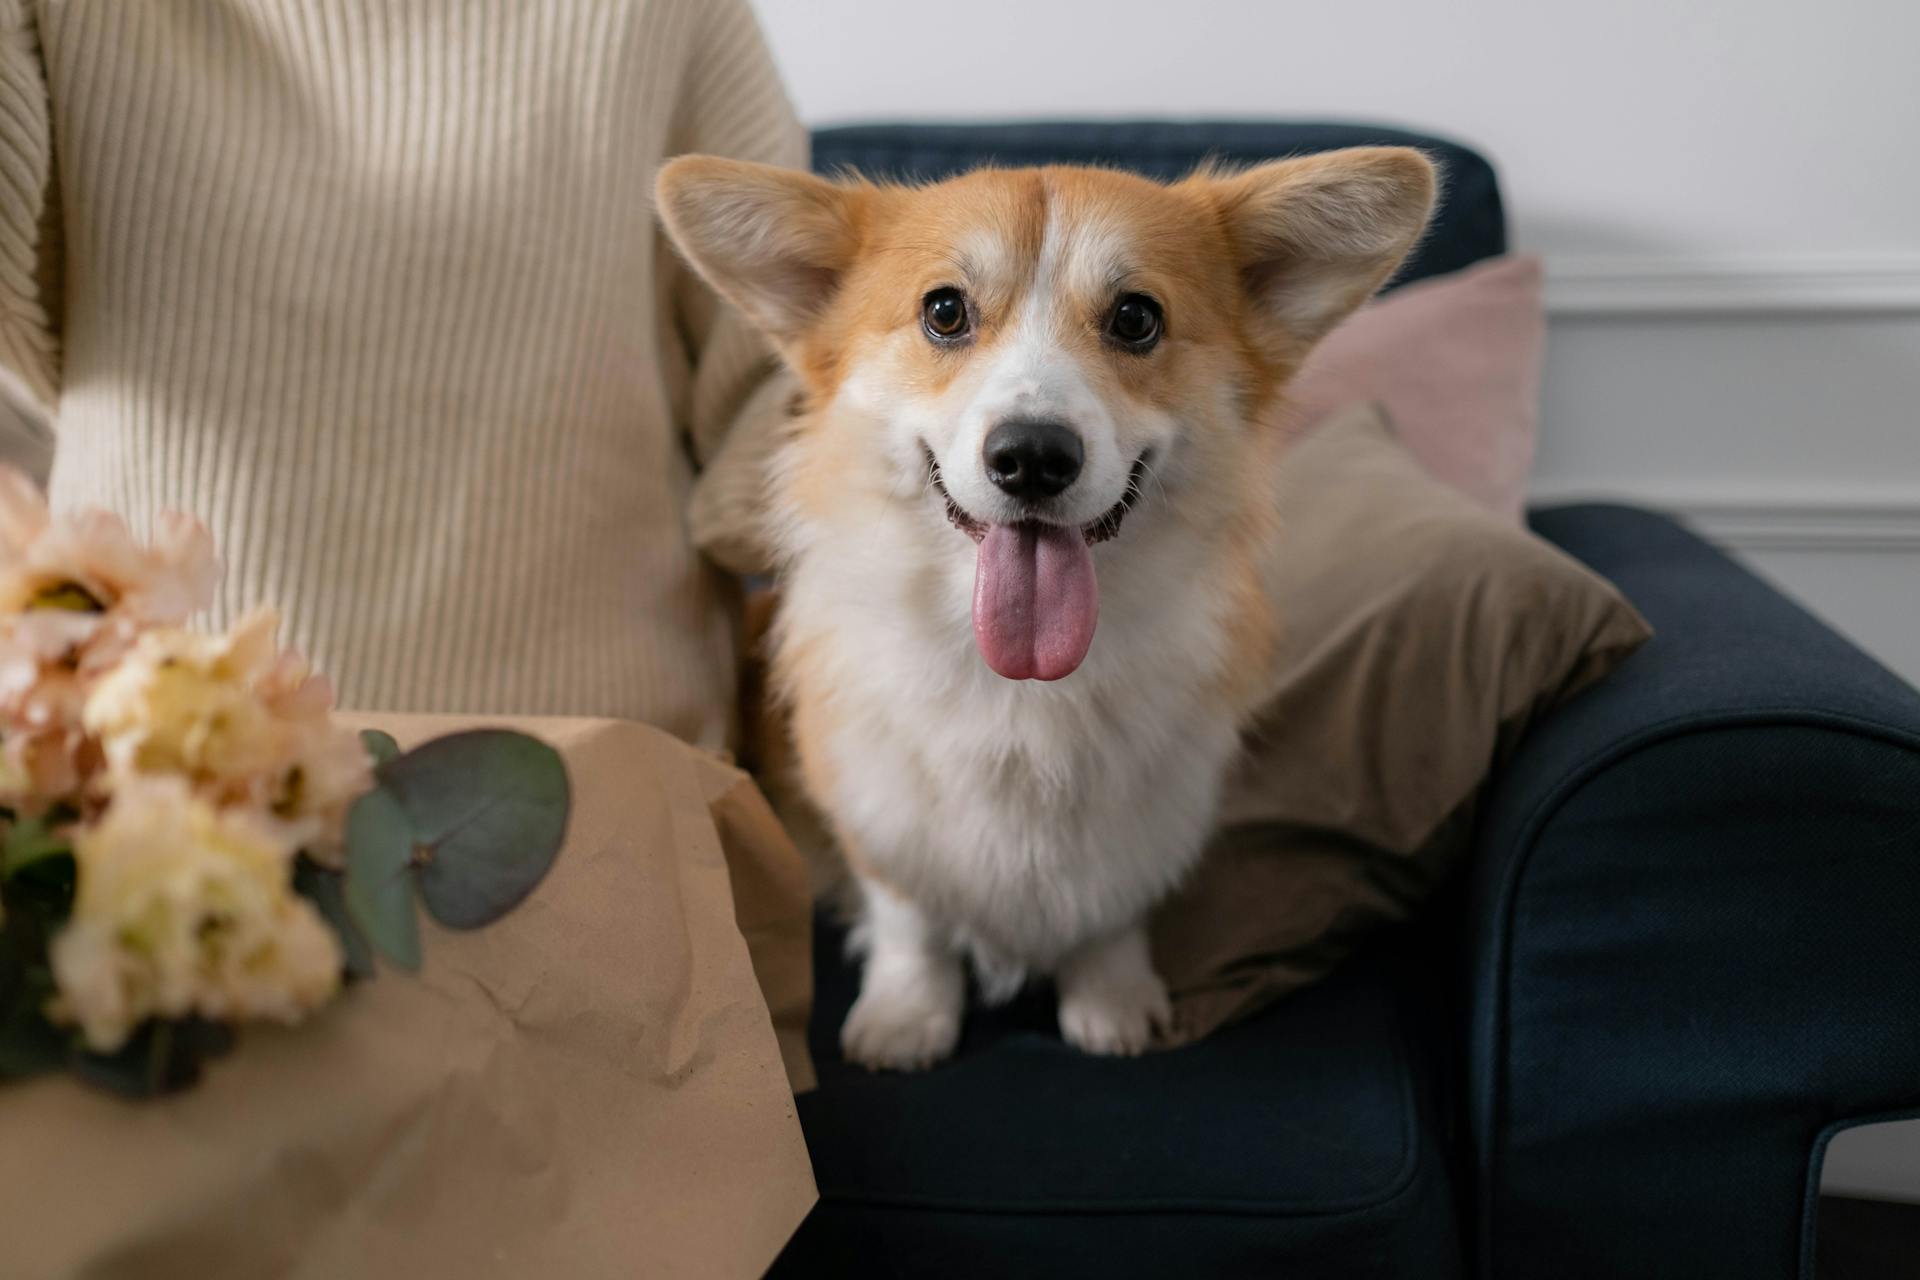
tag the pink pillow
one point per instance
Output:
(1456, 361)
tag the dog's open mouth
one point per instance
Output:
(1035, 601)
(1095, 531)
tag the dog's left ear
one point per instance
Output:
(771, 241)
(1316, 235)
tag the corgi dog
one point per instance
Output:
(1022, 522)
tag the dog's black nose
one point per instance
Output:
(1033, 459)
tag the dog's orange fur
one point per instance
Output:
(900, 242)
(905, 241)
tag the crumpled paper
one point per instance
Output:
(592, 1086)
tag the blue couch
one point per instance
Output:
(1685, 955)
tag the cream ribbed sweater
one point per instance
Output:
(374, 288)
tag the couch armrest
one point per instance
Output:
(1692, 930)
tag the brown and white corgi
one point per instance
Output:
(1023, 523)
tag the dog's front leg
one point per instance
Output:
(1111, 1000)
(913, 989)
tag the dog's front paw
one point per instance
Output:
(1115, 1021)
(1111, 1000)
(894, 1030)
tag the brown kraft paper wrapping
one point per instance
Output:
(592, 1086)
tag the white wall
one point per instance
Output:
(1791, 437)
(1636, 127)
(1727, 193)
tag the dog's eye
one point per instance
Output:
(1136, 321)
(944, 313)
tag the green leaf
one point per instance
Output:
(28, 841)
(326, 889)
(380, 746)
(379, 886)
(489, 811)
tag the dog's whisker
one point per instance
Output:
(1149, 473)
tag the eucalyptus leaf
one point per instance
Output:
(489, 810)
(379, 745)
(326, 889)
(379, 886)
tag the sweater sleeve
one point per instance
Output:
(30, 258)
(732, 104)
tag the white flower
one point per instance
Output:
(245, 722)
(182, 908)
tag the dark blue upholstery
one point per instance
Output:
(1469, 225)
(1693, 929)
(1306, 1143)
(1688, 945)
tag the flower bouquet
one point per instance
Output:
(188, 838)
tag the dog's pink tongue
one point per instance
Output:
(1034, 600)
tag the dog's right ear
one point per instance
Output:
(771, 241)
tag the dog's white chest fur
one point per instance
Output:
(1023, 819)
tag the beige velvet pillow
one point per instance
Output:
(1421, 634)
(1456, 362)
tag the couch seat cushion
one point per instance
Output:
(1302, 1142)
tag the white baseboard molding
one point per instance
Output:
(1734, 285)
(1809, 526)
(1776, 522)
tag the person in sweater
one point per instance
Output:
(377, 292)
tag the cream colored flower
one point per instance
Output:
(183, 702)
(245, 722)
(88, 563)
(181, 908)
(43, 767)
(329, 768)
(74, 593)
